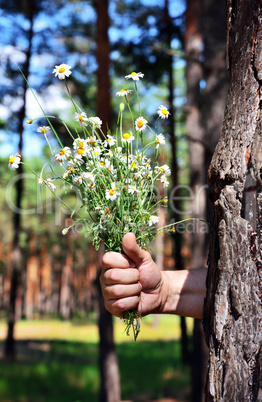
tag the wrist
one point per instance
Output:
(170, 292)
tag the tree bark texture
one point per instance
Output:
(233, 316)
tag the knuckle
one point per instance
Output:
(111, 275)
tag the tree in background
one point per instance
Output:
(29, 10)
(233, 315)
(109, 371)
(206, 63)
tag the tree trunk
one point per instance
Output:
(195, 135)
(233, 315)
(110, 379)
(205, 36)
(103, 62)
(108, 363)
(17, 255)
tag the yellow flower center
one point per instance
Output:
(92, 142)
(162, 170)
(43, 130)
(80, 151)
(80, 118)
(164, 111)
(140, 123)
(62, 152)
(102, 163)
(126, 136)
(133, 74)
(11, 160)
(133, 165)
(61, 70)
(123, 90)
(112, 191)
(80, 144)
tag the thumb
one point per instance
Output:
(132, 249)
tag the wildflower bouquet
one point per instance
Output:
(113, 174)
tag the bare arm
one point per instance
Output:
(133, 280)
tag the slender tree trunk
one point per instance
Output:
(205, 36)
(17, 255)
(108, 363)
(103, 62)
(233, 313)
(195, 134)
(178, 238)
(110, 379)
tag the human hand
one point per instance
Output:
(132, 280)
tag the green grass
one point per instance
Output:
(57, 370)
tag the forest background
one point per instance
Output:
(180, 47)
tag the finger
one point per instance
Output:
(112, 259)
(132, 249)
(120, 276)
(117, 307)
(113, 292)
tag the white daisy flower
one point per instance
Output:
(89, 177)
(135, 76)
(71, 163)
(153, 219)
(96, 151)
(78, 180)
(140, 123)
(109, 154)
(79, 153)
(160, 140)
(14, 161)
(165, 170)
(95, 122)
(164, 181)
(133, 165)
(92, 141)
(163, 112)
(132, 189)
(111, 169)
(127, 137)
(109, 141)
(112, 193)
(47, 183)
(43, 129)
(124, 92)
(81, 148)
(62, 71)
(79, 143)
(62, 155)
(81, 118)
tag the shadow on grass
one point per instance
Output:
(57, 371)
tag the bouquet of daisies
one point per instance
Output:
(113, 174)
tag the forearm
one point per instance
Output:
(183, 292)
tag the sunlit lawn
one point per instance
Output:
(57, 361)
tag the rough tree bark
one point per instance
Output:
(233, 316)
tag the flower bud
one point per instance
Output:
(121, 107)
(29, 121)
